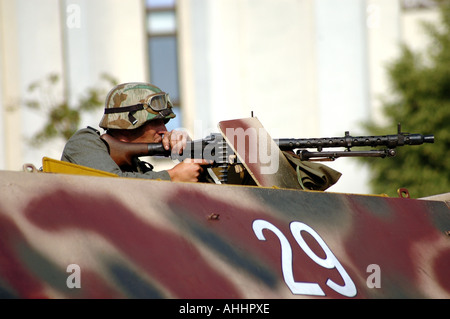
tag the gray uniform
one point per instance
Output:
(86, 148)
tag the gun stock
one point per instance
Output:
(122, 153)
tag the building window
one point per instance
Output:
(161, 26)
(418, 4)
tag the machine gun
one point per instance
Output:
(215, 149)
(390, 142)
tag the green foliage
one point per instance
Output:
(62, 119)
(421, 85)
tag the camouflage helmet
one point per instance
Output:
(130, 105)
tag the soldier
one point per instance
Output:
(134, 113)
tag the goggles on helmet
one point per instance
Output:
(159, 103)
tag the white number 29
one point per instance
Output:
(330, 262)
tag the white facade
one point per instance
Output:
(304, 67)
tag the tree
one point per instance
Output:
(62, 119)
(421, 103)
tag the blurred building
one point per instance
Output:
(304, 67)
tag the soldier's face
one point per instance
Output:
(152, 132)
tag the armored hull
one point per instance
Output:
(74, 236)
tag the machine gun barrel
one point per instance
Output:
(347, 141)
(390, 142)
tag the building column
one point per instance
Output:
(10, 117)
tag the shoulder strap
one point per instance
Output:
(95, 130)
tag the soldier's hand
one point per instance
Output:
(187, 171)
(175, 141)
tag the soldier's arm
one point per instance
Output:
(86, 148)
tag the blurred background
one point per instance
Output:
(305, 68)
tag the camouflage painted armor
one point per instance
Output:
(67, 236)
(130, 105)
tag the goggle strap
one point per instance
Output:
(165, 112)
(131, 118)
(132, 108)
